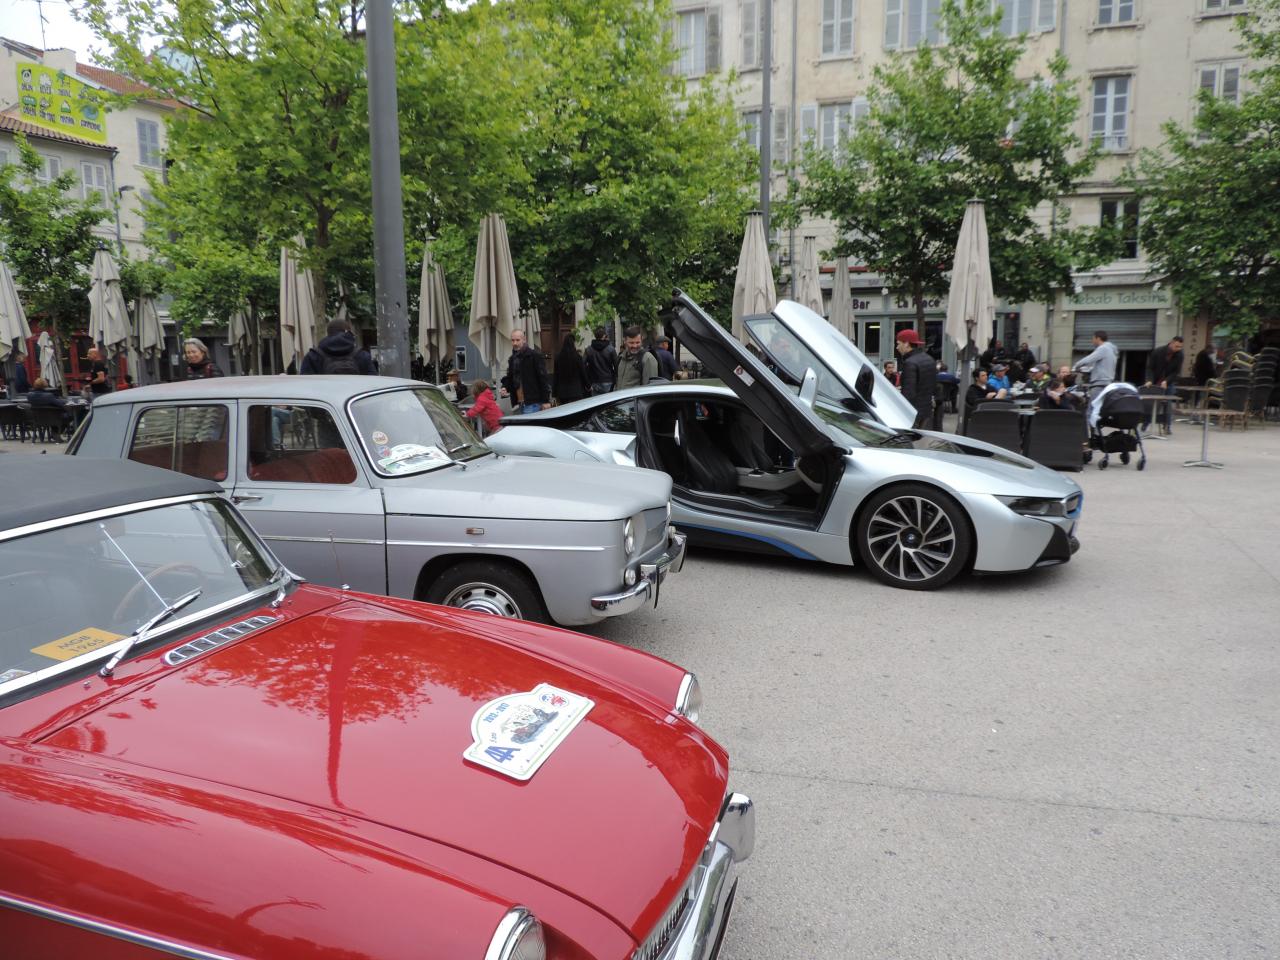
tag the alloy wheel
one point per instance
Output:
(911, 538)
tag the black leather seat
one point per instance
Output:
(710, 469)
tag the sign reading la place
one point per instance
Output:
(1121, 298)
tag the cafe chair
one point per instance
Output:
(996, 422)
(48, 424)
(1056, 438)
(12, 424)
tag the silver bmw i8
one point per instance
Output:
(801, 447)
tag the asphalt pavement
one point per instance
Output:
(1082, 761)
(1079, 762)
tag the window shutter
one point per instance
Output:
(713, 39)
(933, 22)
(861, 110)
(1046, 14)
(844, 38)
(781, 135)
(828, 27)
(892, 24)
(750, 33)
(1231, 84)
(808, 125)
(1209, 79)
(1006, 8)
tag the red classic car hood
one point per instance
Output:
(367, 710)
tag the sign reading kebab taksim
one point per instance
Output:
(50, 98)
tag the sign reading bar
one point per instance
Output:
(51, 99)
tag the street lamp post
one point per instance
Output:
(391, 295)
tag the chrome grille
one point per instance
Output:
(657, 941)
(216, 639)
(655, 528)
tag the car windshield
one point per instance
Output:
(846, 424)
(70, 593)
(413, 430)
(788, 356)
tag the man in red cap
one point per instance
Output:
(919, 376)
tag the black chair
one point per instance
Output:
(48, 424)
(997, 423)
(1056, 438)
(12, 424)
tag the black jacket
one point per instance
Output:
(667, 365)
(1026, 359)
(337, 346)
(919, 380)
(525, 370)
(45, 398)
(1206, 367)
(600, 360)
(1163, 366)
(205, 368)
(570, 378)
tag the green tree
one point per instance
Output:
(1210, 195)
(948, 123)
(46, 233)
(635, 182)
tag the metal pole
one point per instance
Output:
(766, 114)
(388, 213)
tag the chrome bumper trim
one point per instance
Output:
(646, 588)
(732, 841)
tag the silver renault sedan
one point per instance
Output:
(803, 448)
(379, 485)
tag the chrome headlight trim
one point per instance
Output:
(689, 699)
(518, 937)
(629, 536)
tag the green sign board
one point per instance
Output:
(51, 99)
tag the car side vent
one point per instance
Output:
(216, 639)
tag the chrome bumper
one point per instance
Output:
(704, 920)
(646, 587)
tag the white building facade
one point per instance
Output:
(1139, 63)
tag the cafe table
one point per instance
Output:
(1204, 460)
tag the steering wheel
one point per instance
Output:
(165, 568)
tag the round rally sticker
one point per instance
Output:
(380, 439)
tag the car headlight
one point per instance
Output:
(689, 699)
(1035, 506)
(518, 937)
(629, 536)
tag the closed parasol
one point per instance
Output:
(753, 290)
(495, 298)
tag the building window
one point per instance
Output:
(50, 169)
(1220, 80)
(752, 31)
(1114, 11)
(698, 40)
(909, 23)
(834, 123)
(1025, 16)
(1214, 5)
(751, 128)
(837, 28)
(93, 181)
(781, 136)
(1110, 125)
(1124, 211)
(4, 158)
(149, 143)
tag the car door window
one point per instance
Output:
(292, 443)
(615, 418)
(190, 440)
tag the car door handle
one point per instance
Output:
(245, 498)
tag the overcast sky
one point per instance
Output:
(19, 20)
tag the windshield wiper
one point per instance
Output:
(910, 436)
(141, 633)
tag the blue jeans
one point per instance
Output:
(530, 407)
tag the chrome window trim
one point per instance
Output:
(355, 429)
(284, 539)
(44, 525)
(686, 690)
(489, 546)
(513, 925)
(172, 626)
(109, 930)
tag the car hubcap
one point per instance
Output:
(483, 598)
(911, 538)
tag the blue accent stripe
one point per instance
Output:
(781, 545)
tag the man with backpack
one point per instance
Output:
(637, 366)
(600, 359)
(337, 353)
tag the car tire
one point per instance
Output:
(896, 526)
(488, 586)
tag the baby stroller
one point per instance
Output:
(1117, 409)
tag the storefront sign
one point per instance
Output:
(1120, 298)
(51, 99)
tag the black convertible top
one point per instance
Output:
(36, 488)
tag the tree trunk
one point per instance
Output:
(917, 295)
(319, 300)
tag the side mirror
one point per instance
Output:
(865, 383)
(809, 388)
